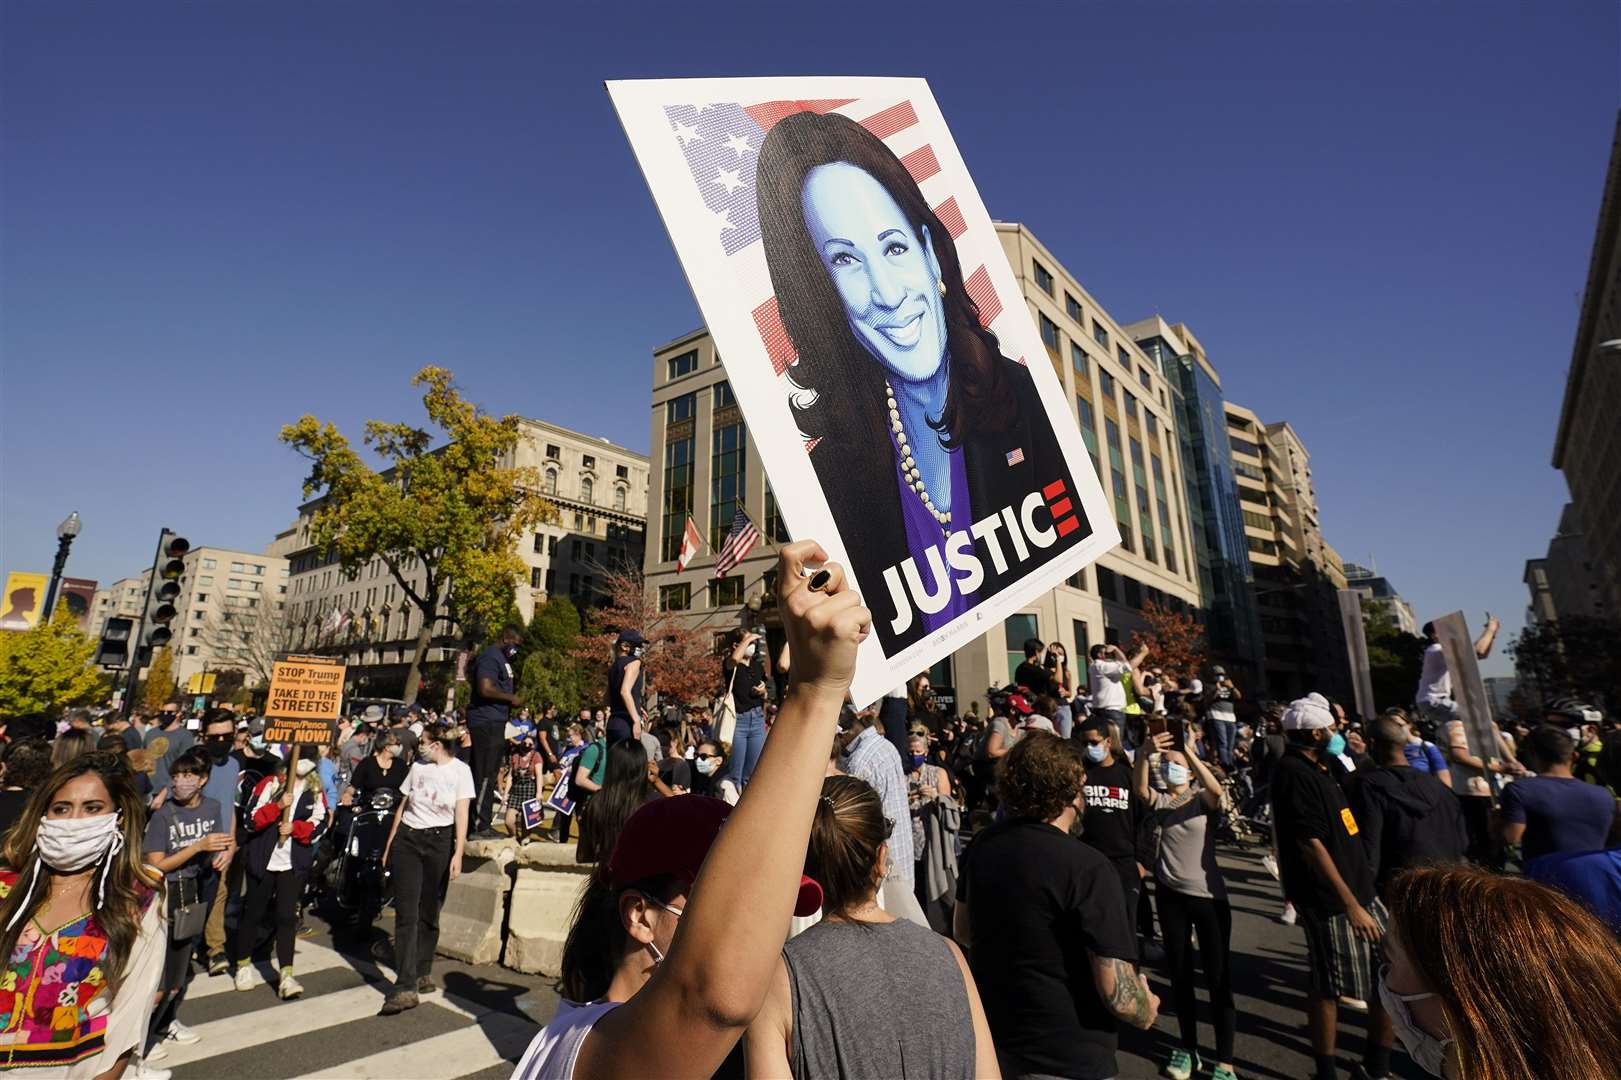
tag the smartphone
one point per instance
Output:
(1156, 726)
(1179, 734)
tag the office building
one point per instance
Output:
(123, 597)
(1587, 445)
(1213, 462)
(706, 466)
(232, 608)
(1563, 583)
(600, 492)
(1377, 590)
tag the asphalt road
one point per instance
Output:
(480, 1024)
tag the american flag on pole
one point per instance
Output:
(691, 542)
(739, 541)
(721, 145)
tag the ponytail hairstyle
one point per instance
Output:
(124, 885)
(847, 833)
(597, 939)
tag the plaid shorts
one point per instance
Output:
(1342, 963)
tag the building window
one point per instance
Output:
(540, 544)
(1134, 592)
(678, 461)
(208, 564)
(727, 469)
(1018, 629)
(536, 576)
(776, 530)
(1106, 384)
(1244, 446)
(1072, 308)
(191, 650)
(202, 598)
(1145, 378)
(1257, 521)
(677, 597)
(677, 366)
(1077, 580)
(1107, 587)
(1077, 360)
(205, 579)
(554, 452)
(586, 489)
(1145, 515)
(587, 461)
(1049, 332)
(236, 568)
(1100, 335)
(1089, 429)
(1131, 405)
(551, 581)
(680, 408)
(1044, 278)
(1167, 541)
(1151, 422)
(1263, 547)
(622, 472)
(550, 486)
(551, 545)
(1123, 356)
(619, 497)
(724, 396)
(726, 591)
(1117, 475)
(576, 550)
(1083, 646)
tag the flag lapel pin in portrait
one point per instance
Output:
(1015, 456)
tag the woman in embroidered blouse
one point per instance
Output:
(83, 940)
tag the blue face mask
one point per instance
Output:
(1096, 752)
(917, 759)
(1336, 744)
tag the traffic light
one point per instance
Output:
(162, 596)
(113, 649)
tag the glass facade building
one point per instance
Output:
(1220, 547)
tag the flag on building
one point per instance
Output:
(739, 542)
(690, 543)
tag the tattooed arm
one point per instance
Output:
(1124, 992)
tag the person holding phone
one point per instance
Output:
(1191, 893)
(1106, 676)
(1220, 701)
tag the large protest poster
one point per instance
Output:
(305, 699)
(22, 600)
(877, 342)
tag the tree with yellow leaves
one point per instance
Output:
(444, 520)
(48, 667)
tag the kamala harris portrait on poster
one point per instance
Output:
(877, 343)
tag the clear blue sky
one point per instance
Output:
(219, 216)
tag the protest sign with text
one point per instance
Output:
(306, 695)
(878, 345)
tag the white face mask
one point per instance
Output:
(1175, 774)
(184, 787)
(658, 954)
(70, 844)
(705, 765)
(1425, 1049)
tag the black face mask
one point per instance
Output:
(218, 750)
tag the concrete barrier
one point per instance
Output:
(551, 857)
(471, 920)
(543, 904)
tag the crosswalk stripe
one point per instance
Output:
(308, 958)
(496, 1039)
(285, 1021)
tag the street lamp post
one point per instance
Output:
(65, 533)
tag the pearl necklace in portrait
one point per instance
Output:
(909, 470)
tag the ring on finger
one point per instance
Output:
(819, 580)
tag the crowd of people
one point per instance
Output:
(901, 890)
(995, 889)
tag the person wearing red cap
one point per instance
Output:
(676, 940)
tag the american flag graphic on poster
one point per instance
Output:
(739, 542)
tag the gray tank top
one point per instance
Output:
(877, 1000)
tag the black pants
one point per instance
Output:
(892, 716)
(1180, 917)
(489, 740)
(1477, 817)
(420, 863)
(284, 887)
(1130, 884)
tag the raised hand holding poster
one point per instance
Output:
(877, 343)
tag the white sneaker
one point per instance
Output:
(246, 977)
(159, 1051)
(288, 987)
(143, 1071)
(1271, 866)
(180, 1033)
(1287, 918)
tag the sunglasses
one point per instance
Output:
(705, 757)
